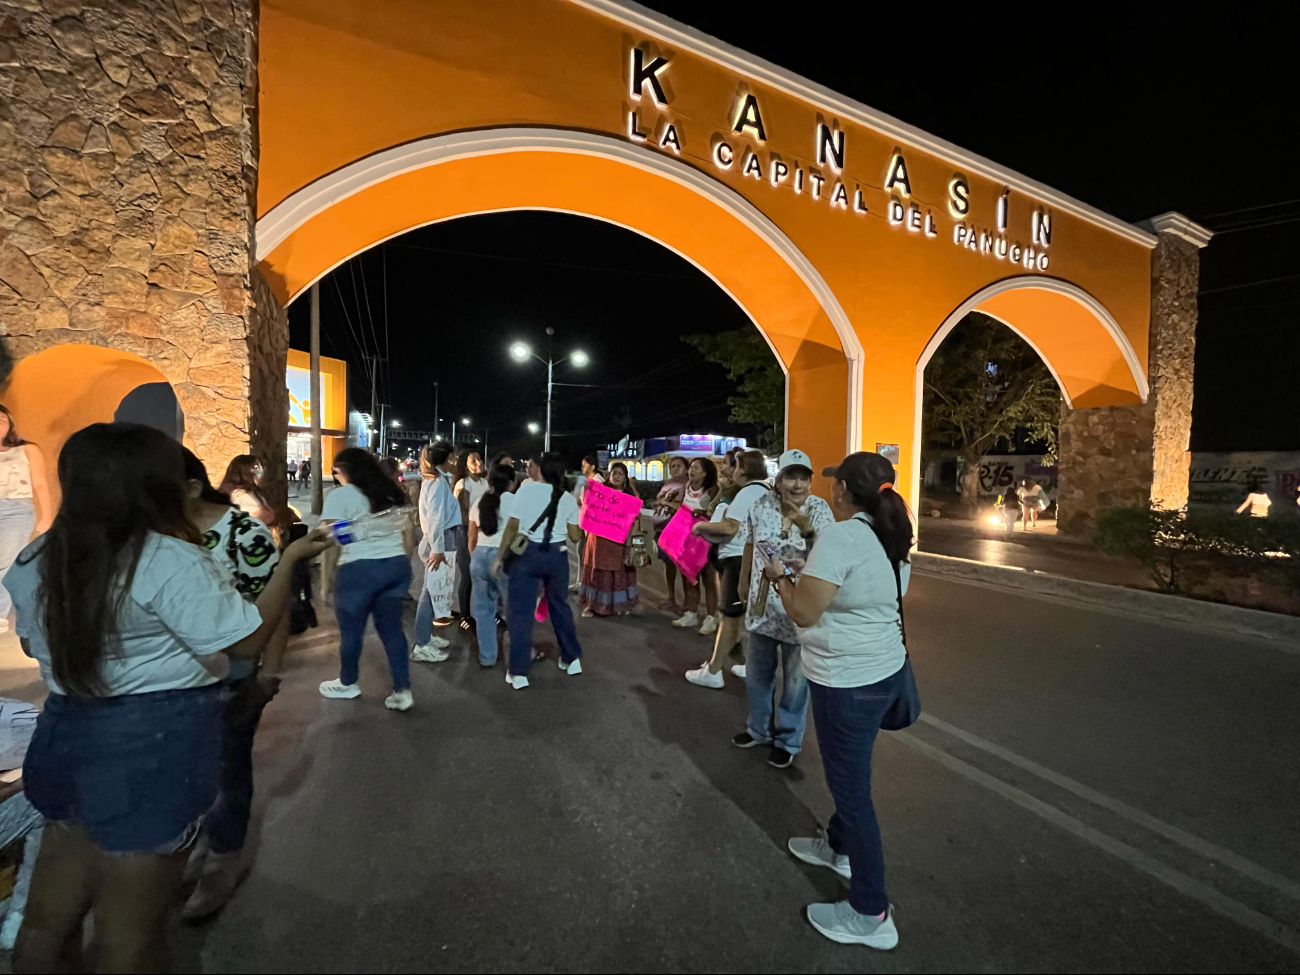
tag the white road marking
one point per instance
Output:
(1245, 867)
(1181, 882)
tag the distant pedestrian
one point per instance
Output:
(25, 506)
(243, 483)
(1257, 501)
(608, 582)
(666, 504)
(292, 470)
(304, 471)
(848, 605)
(782, 524)
(544, 512)
(440, 520)
(589, 472)
(1033, 501)
(373, 572)
(701, 489)
(126, 614)
(487, 521)
(749, 484)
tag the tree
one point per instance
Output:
(760, 381)
(982, 384)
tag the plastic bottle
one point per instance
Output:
(382, 524)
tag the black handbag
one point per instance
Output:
(906, 708)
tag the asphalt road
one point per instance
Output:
(1086, 792)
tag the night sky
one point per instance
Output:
(1134, 121)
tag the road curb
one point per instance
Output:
(1140, 602)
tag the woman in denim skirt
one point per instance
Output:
(127, 615)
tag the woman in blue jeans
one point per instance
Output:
(545, 512)
(487, 521)
(848, 602)
(374, 571)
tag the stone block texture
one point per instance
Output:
(127, 177)
(1125, 455)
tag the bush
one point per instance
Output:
(1181, 550)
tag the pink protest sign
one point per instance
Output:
(689, 552)
(608, 513)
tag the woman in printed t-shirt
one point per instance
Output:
(128, 616)
(726, 528)
(608, 583)
(848, 605)
(374, 572)
(487, 520)
(785, 521)
(545, 512)
(701, 489)
(243, 482)
(667, 502)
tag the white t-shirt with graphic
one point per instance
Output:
(181, 610)
(766, 529)
(347, 503)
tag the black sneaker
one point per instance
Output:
(780, 758)
(745, 740)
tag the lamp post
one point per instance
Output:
(520, 352)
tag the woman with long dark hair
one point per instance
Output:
(374, 571)
(25, 507)
(243, 482)
(848, 604)
(540, 507)
(487, 519)
(469, 485)
(608, 582)
(126, 613)
(440, 523)
(667, 502)
(701, 489)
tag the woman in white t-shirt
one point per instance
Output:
(1257, 501)
(848, 606)
(545, 512)
(374, 572)
(131, 621)
(487, 521)
(470, 485)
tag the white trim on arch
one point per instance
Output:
(290, 214)
(1018, 282)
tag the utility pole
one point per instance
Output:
(374, 399)
(317, 454)
(435, 409)
(550, 368)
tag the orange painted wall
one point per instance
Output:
(55, 393)
(342, 79)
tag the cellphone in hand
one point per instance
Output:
(771, 557)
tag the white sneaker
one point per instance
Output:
(709, 626)
(573, 668)
(687, 620)
(517, 681)
(399, 701)
(704, 678)
(428, 653)
(818, 852)
(842, 924)
(738, 670)
(440, 642)
(336, 688)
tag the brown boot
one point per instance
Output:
(222, 873)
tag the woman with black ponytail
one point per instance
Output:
(541, 508)
(848, 604)
(487, 522)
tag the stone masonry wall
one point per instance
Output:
(1127, 455)
(127, 173)
(268, 394)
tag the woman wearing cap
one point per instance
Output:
(848, 604)
(727, 528)
(782, 523)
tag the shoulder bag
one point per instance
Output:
(519, 544)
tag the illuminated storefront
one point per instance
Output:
(647, 460)
(334, 398)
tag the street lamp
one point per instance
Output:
(464, 421)
(534, 427)
(397, 423)
(520, 351)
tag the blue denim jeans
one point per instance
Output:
(227, 822)
(17, 519)
(546, 565)
(847, 720)
(373, 587)
(484, 596)
(791, 715)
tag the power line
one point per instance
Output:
(361, 346)
(1262, 206)
(1250, 284)
(576, 267)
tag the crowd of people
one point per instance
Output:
(156, 606)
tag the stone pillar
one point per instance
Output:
(1126, 455)
(268, 393)
(127, 179)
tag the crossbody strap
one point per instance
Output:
(898, 581)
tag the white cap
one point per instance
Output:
(793, 458)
